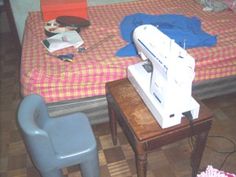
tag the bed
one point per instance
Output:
(80, 85)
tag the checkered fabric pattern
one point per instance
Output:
(86, 76)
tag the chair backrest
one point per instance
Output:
(32, 117)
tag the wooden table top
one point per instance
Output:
(138, 116)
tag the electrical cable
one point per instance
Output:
(188, 114)
(192, 138)
(192, 141)
(229, 153)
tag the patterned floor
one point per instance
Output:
(115, 161)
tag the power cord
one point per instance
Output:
(228, 153)
(192, 139)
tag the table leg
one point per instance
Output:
(141, 164)
(198, 152)
(113, 124)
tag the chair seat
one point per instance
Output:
(62, 132)
(56, 143)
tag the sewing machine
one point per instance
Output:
(164, 78)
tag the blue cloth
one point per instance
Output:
(186, 31)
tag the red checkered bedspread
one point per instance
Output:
(86, 76)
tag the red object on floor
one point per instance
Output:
(51, 9)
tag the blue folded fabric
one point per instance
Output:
(186, 31)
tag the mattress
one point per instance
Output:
(85, 77)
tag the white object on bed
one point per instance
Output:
(63, 40)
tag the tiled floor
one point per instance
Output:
(115, 161)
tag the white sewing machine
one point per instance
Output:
(164, 78)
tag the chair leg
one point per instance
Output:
(90, 168)
(52, 173)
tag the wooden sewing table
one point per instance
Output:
(142, 130)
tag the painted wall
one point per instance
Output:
(20, 10)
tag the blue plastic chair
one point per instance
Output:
(55, 143)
